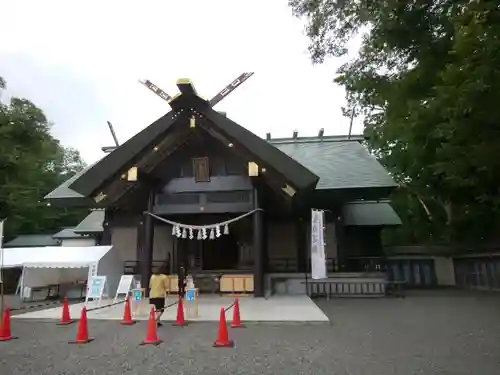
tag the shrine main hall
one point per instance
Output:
(197, 190)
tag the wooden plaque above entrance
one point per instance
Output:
(201, 170)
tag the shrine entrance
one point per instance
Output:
(220, 254)
(225, 254)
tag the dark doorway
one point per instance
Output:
(220, 254)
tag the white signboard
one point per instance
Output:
(95, 288)
(125, 285)
(93, 270)
(318, 261)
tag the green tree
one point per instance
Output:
(426, 80)
(32, 163)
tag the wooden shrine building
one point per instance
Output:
(196, 167)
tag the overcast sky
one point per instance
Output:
(81, 61)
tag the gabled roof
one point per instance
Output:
(92, 223)
(341, 163)
(69, 196)
(32, 240)
(370, 213)
(64, 191)
(123, 157)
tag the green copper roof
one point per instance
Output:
(370, 213)
(339, 162)
(32, 240)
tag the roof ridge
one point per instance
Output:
(317, 139)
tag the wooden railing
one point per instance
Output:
(283, 265)
(343, 288)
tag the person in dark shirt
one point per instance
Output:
(182, 281)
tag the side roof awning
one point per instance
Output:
(93, 223)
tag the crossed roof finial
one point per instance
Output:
(186, 81)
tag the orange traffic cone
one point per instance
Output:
(82, 334)
(223, 337)
(180, 314)
(127, 315)
(5, 334)
(236, 323)
(151, 336)
(65, 318)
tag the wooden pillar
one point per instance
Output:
(301, 238)
(341, 243)
(265, 244)
(147, 248)
(107, 225)
(258, 248)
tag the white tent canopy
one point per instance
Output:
(43, 266)
(53, 256)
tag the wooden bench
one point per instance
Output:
(236, 284)
(359, 288)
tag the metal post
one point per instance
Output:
(350, 124)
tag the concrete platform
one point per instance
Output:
(273, 309)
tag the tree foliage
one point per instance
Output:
(32, 163)
(427, 81)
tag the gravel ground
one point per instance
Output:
(426, 333)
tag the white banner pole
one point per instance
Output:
(318, 264)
